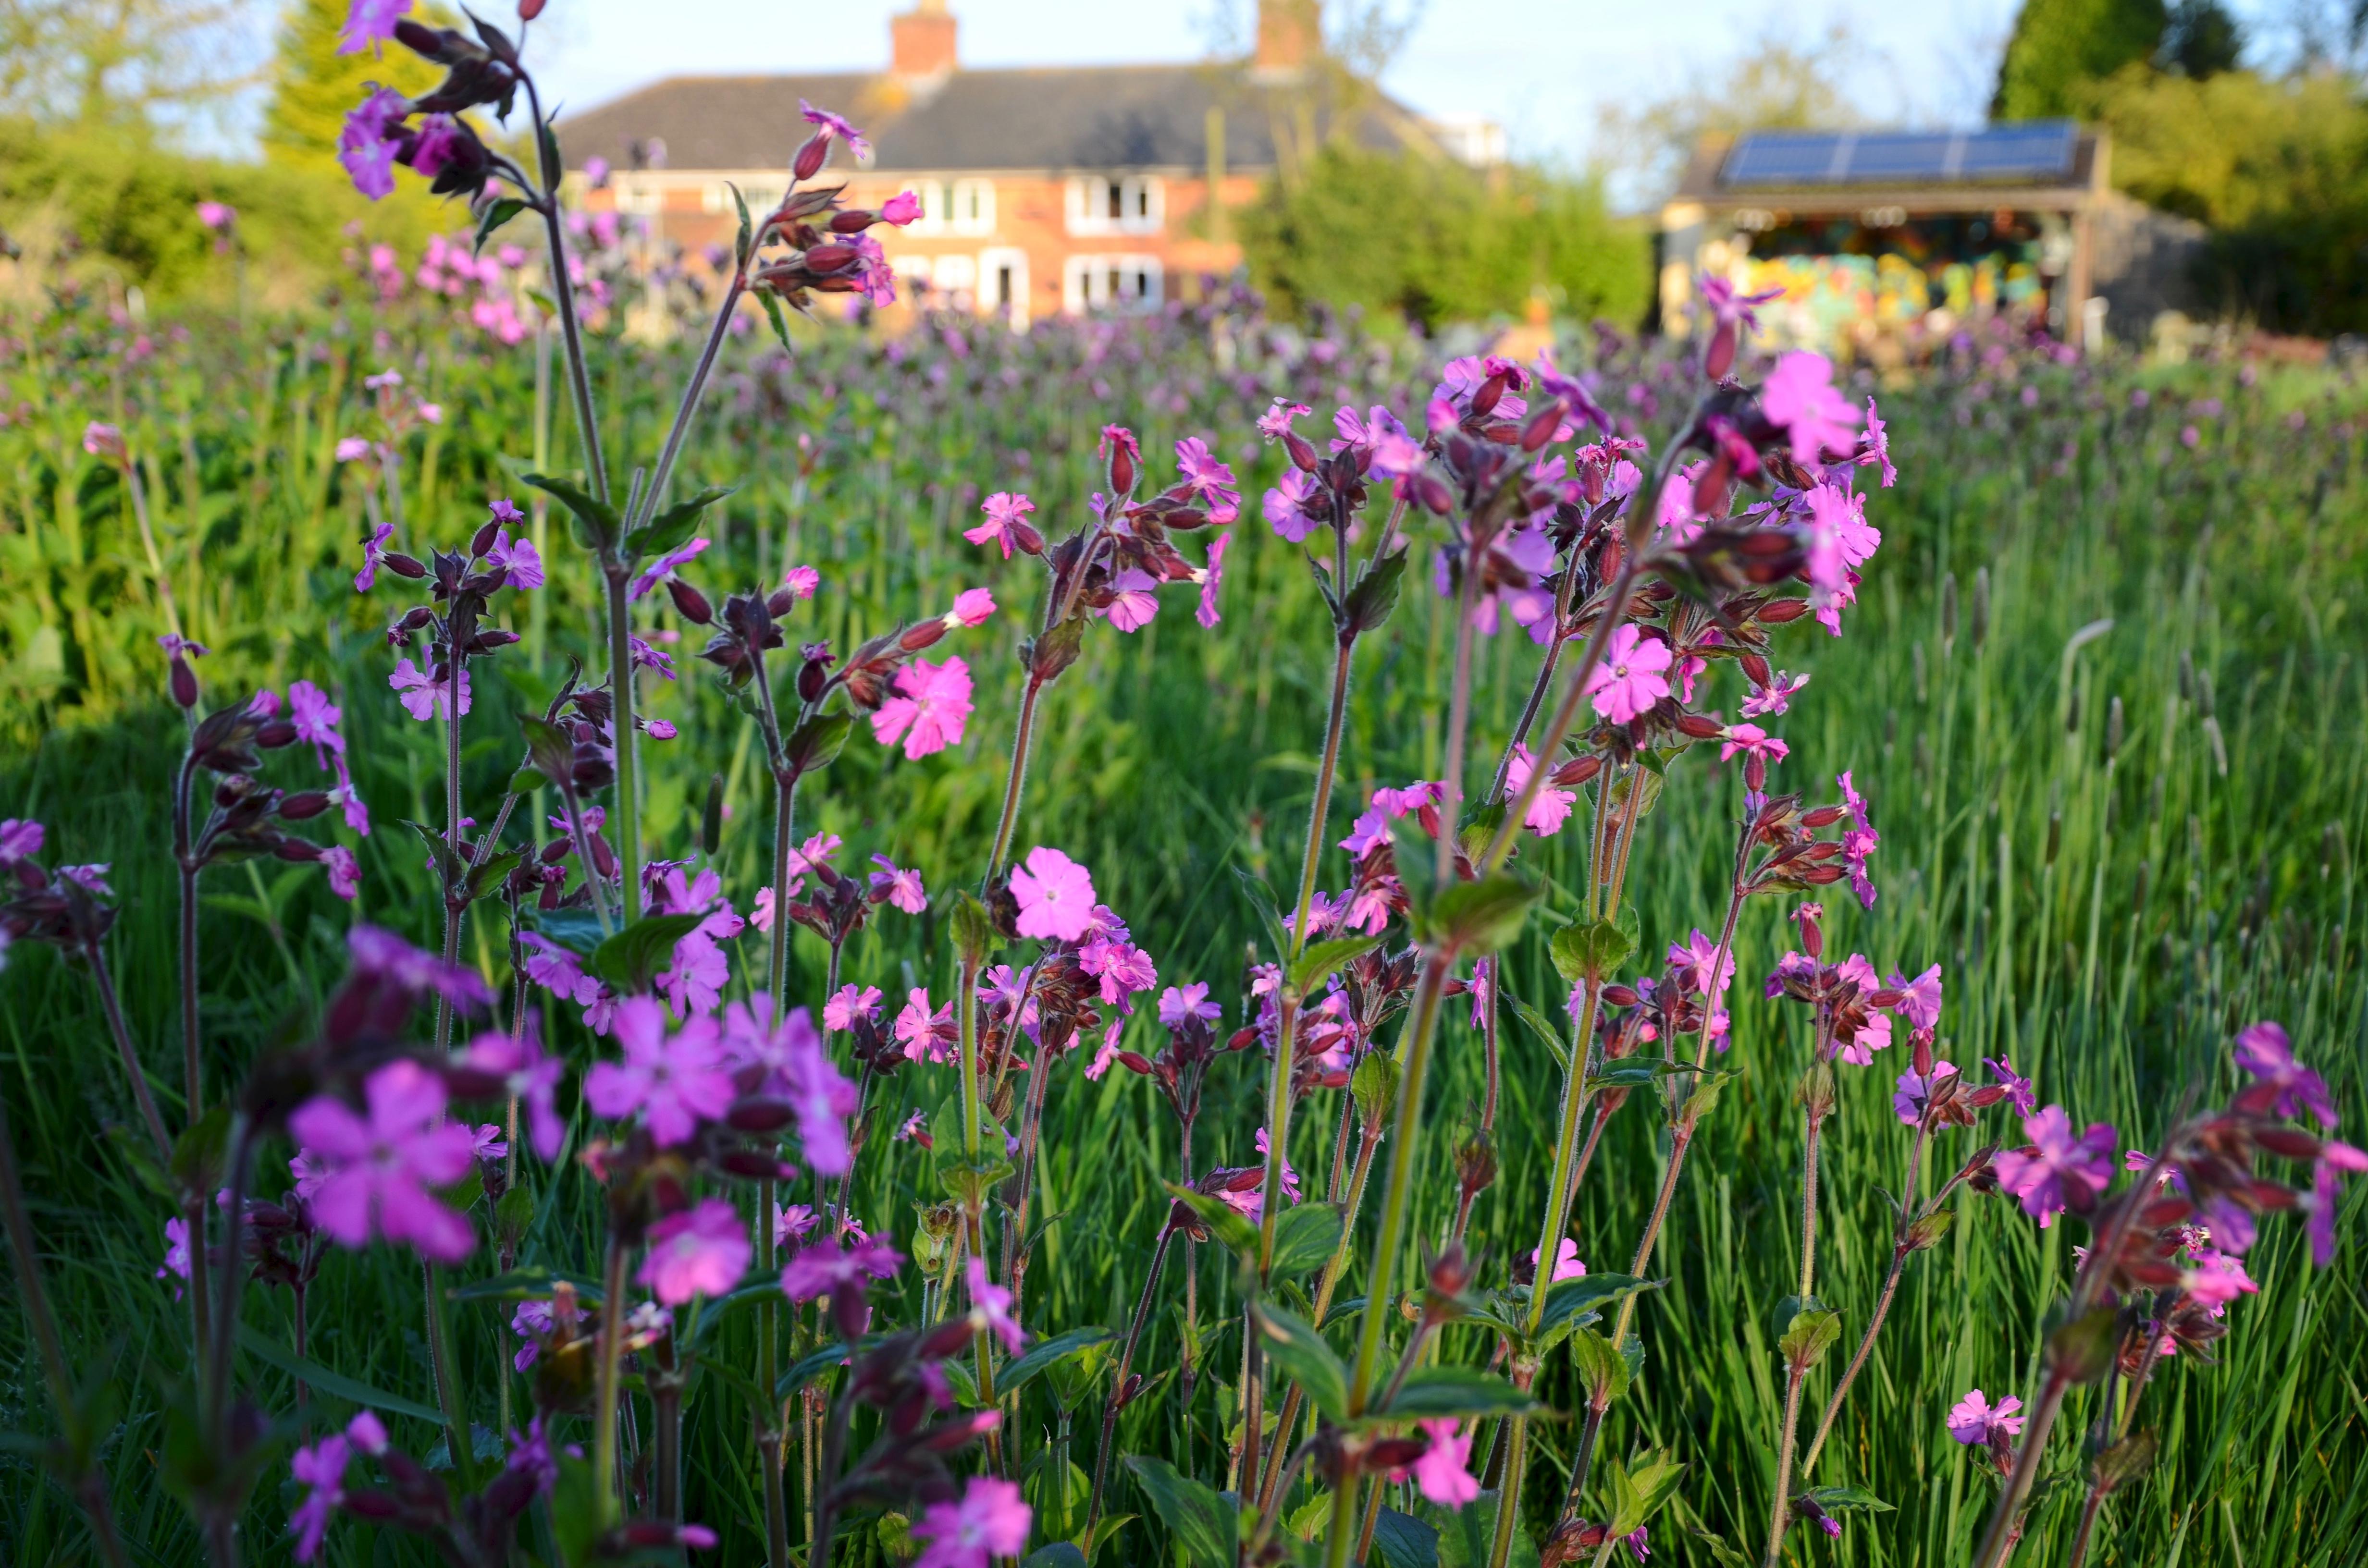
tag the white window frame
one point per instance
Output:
(715, 196)
(954, 274)
(970, 207)
(1142, 202)
(991, 261)
(932, 196)
(1122, 283)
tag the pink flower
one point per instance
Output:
(1177, 1003)
(901, 209)
(1840, 540)
(381, 1168)
(362, 146)
(828, 125)
(803, 582)
(1275, 423)
(344, 872)
(528, 1075)
(1751, 741)
(1444, 1470)
(701, 1251)
(1294, 508)
(1207, 480)
(1799, 398)
(990, 1308)
(675, 1083)
(1136, 602)
(519, 558)
(1209, 576)
(971, 607)
(1550, 808)
(321, 1467)
(1913, 1092)
(1628, 679)
(1920, 997)
(177, 1253)
(847, 1004)
(1693, 959)
(989, 1521)
(1055, 894)
(103, 441)
(1859, 841)
(2019, 1092)
(2217, 1279)
(425, 696)
(898, 885)
(927, 1036)
(1875, 448)
(1973, 1419)
(792, 1223)
(217, 216)
(1567, 1263)
(1006, 524)
(369, 23)
(824, 1267)
(315, 718)
(694, 983)
(2059, 1167)
(2266, 1052)
(932, 710)
(20, 839)
(648, 658)
(1775, 697)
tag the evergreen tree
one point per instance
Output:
(2060, 45)
(312, 86)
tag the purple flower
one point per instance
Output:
(344, 872)
(1293, 507)
(1209, 576)
(661, 569)
(20, 839)
(1444, 1472)
(1177, 1003)
(369, 23)
(1006, 524)
(1914, 1091)
(531, 1454)
(989, 1521)
(1859, 841)
(425, 696)
(1056, 896)
(2019, 1092)
(828, 125)
(381, 954)
(1874, 448)
(315, 718)
(2326, 1186)
(373, 553)
(382, 1169)
(826, 1266)
(850, 1002)
(1776, 697)
(1919, 998)
(1800, 399)
(516, 557)
(674, 1083)
(322, 1469)
(177, 1253)
(1973, 1419)
(1692, 960)
(1209, 479)
(990, 1308)
(898, 885)
(2266, 1052)
(1275, 423)
(2059, 1167)
(91, 879)
(648, 658)
(362, 145)
(701, 1251)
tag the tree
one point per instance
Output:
(2201, 39)
(312, 86)
(117, 62)
(2060, 45)
(1775, 83)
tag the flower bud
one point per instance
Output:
(810, 157)
(1539, 428)
(1719, 358)
(913, 639)
(1302, 456)
(689, 603)
(1754, 667)
(1700, 726)
(404, 565)
(300, 850)
(303, 805)
(184, 683)
(530, 9)
(853, 220)
(1823, 816)
(1491, 392)
(759, 1113)
(830, 258)
(274, 735)
(482, 539)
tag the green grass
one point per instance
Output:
(2110, 920)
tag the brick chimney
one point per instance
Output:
(1290, 35)
(922, 41)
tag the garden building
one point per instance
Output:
(1885, 241)
(1043, 190)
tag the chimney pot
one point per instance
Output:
(1290, 34)
(922, 41)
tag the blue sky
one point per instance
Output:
(1543, 68)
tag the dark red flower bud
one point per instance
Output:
(689, 603)
(1886, 1000)
(1700, 726)
(278, 733)
(1491, 392)
(1776, 612)
(1395, 1453)
(810, 157)
(1433, 492)
(1539, 428)
(300, 850)
(530, 9)
(830, 258)
(1134, 1061)
(304, 804)
(1619, 995)
(483, 541)
(913, 639)
(1302, 456)
(1755, 668)
(1823, 816)
(1923, 1056)
(403, 565)
(853, 220)
(1121, 468)
(1577, 771)
(184, 683)
(1719, 359)
(759, 1113)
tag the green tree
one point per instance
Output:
(2060, 45)
(312, 86)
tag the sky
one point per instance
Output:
(1543, 69)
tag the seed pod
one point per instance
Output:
(1981, 627)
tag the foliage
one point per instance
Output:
(312, 86)
(1428, 239)
(2058, 45)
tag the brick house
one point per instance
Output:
(1056, 191)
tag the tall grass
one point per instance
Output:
(2122, 844)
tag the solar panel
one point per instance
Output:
(2038, 150)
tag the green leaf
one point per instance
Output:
(2083, 1348)
(747, 231)
(1603, 1370)
(813, 1364)
(1374, 1086)
(1809, 1335)
(1484, 915)
(1260, 895)
(1201, 1521)
(780, 323)
(548, 750)
(1457, 1391)
(632, 957)
(671, 528)
(489, 872)
(1537, 1025)
(1304, 1240)
(597, 523)
(521, 1284)
(1375, 593)
(973, 930)
(1229, 1228)
(1640, 1487)
(1048, 656)
(1465, 1535)
(817, 742)
(1594, 950)
(1059, 1554)
(1294, 1345)
(496, 213)
(1110, 1525)
(1591, 1293)
(1321, 959)
(336, 1385)
(1847, 1500)
(1044, 1353)
(198, 1152)
(577, 930)
(1404, 1541)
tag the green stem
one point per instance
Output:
(1015, 781)
(604, 1391)
(448, 1382)
(621, 682)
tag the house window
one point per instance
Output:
(1120, 283)
(1115, 204)
(932, 195)
(1003, 285)
(717, 197)
(970, 209)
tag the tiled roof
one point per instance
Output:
(1089, 117)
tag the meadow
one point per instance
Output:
(2102, 688)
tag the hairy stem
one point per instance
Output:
(604, 1391)
(571, 333)
(1016, 780)
(1900, 1253)
(1117, 1380)
(112, 1006)
(621, 682)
